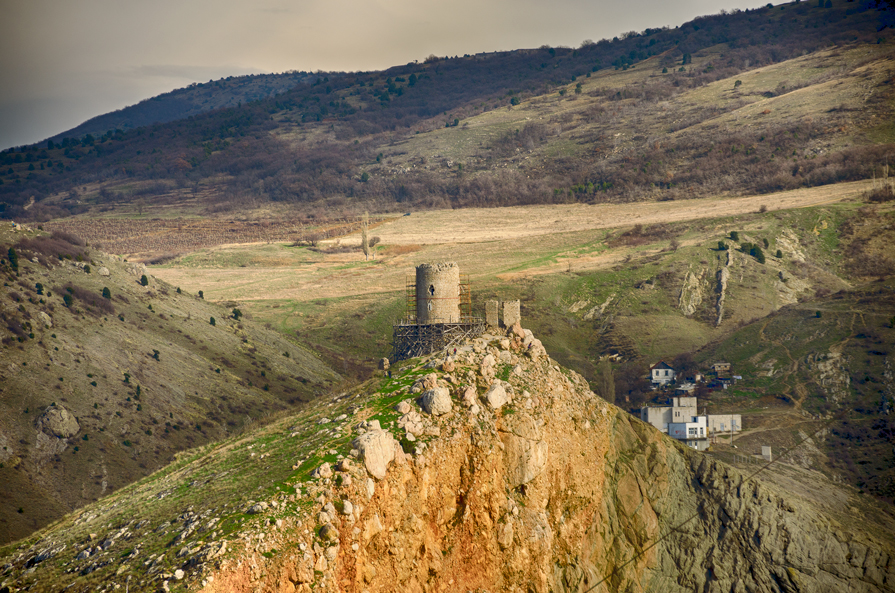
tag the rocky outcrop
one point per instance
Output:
(721, 288)
(554, 490)
(691, 294)
(59, 422)
(559, 491)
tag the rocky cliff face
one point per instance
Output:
(547, 488)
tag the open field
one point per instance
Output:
(520, 241)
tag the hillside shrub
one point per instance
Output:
(144, 280)
(212, 321)
(13, 259)
(107, 294)
(60, 245)
(881, 194)
(734, 236)
(88, 297)
(722, 246)
(779, 254)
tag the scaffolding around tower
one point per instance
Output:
(438, 312)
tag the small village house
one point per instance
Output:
(661, 373)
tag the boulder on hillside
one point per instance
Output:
(45, 319)
(436, 401)
(377, 448)
(469, 396)
(324, 471)
(58, 421)
(496, 396)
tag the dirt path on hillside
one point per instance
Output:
(476, 225)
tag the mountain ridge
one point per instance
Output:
(339, 144)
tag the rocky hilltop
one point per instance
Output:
(493, 469)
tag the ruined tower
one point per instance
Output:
(438, 293)
(438, 314)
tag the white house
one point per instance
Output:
(693, 433)
(661, 373)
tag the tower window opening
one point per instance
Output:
(431, 290)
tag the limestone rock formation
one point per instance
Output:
(691, 294)
(377, 449)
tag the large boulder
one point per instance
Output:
(436, 401)
(377, 449)
(58, 421)
(45, 319)
(496, 396)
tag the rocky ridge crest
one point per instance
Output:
(549, 488)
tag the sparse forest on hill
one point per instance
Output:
(642, 116)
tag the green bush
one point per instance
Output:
(144, 280)
(734, 236)
(212, 321)
(13, 259)
(107, 294)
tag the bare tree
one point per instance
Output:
(364, 238)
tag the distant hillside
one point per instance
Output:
(754, 101)
(105, 379)
(192, 100)
(829, 357)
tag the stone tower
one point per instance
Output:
(438, 293)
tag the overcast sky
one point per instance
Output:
(63, 62)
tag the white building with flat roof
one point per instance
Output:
(681, 421)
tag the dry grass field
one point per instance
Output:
(505, 243)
